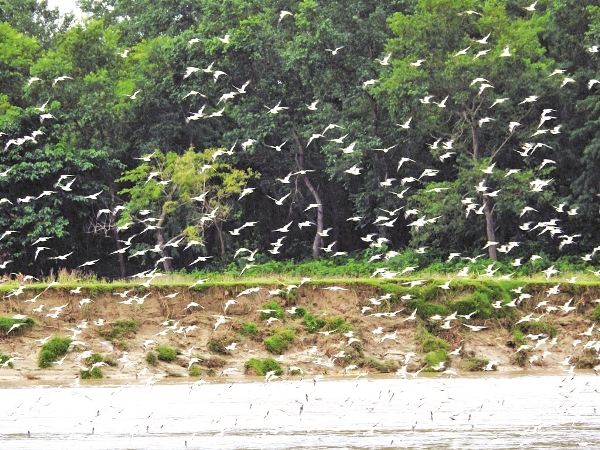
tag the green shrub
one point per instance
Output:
(195, 371)
(427, 309)
(477, 301)
(280, 341)
(475, 364)
(538, 328)
(521, 357)
(166, 354)
(378, 365)
(428, 342)
(312, 323)
(597, 313)
(261, 367)
(6, 323)
(299, 313)
(96, 372)
(52, 350)
(121, 329)
(217, 347)
(518, 336)
(436, 357)
(249, 329)
(151, 358)
(4, 358)
(339, 324)
(277, 310)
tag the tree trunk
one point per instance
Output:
(122, 270)
(318, 241)
(115, 233)
(160, 240)
(489, 229)
(487, 207)
(219, 229)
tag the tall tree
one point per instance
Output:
(467, 68)
(176, 197)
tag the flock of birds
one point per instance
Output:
(443, 146)
(484, 192)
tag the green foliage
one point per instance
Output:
(94, 373)
(377, 365)
(195, 371)
(481, 301)
(4, 358)
(596, 315)
(166, 354)
(299, 313)
(428, 342)
(6, 323)
(217, 347)
(312, 323)
(151, 358)
(538, 327)
(52, 350)
(121, 329)
(427, 309)
(248, 329)
(474, 364)
(434, 358)
(262, 366)
(339, 324)
(280, 341)
(518, 336)
(277, 310)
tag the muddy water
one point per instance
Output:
(542, 412)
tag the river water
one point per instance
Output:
(492, 412)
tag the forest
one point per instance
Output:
(201, 135)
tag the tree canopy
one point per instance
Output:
(352, 129)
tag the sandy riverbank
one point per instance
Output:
(195, 327)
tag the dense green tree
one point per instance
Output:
(177, 197)
(35, 19)
(451, 97)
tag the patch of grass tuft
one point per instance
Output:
(217, 347)
(378, 365)
(312, 323)
(260, 367)
(4, 358)
(52, 350)
(121, 329)
(299, 313)
(7, 323)
(277, 310)
(429, 342)
(151, 358)
(166, 354)
(340, 324)
(280, 341)
(474, 364)
(195, 371)
(537, 328)
(435, 357)
(427, 309)
(249, 329)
